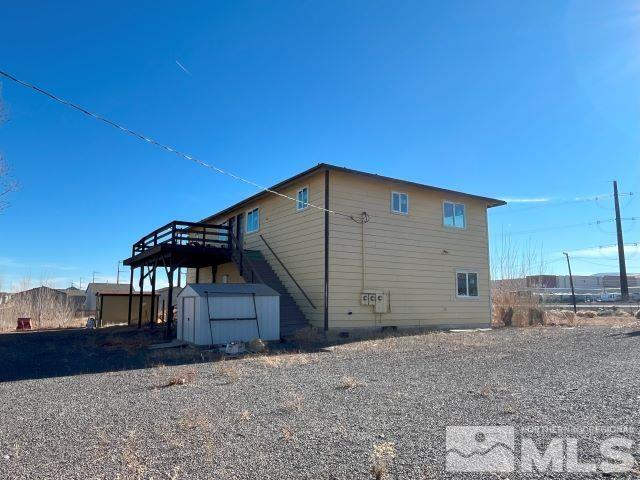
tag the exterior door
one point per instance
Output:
(188, 319)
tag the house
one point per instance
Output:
(345, 249)
(95, 288)
(388, 252)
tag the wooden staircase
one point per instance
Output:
(291, 317)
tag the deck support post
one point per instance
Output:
(140, 298)
(198, 275)
(152, 320)
(130, 296)
(169, 301)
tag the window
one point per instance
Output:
(467, 284)
(302, 198)
(253, 220)
(453, 215)
(399, 203)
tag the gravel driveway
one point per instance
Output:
(331, 414)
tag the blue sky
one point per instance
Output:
(518, 100)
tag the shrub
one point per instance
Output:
(559, 317)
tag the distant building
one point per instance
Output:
(542, 281)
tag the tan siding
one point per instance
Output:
(297, 237)
(413, 256)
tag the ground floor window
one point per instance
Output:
(467, 284)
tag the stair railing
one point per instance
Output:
(288, 272)
(245, 266)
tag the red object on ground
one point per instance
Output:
(24, 324)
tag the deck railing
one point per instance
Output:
(185, 233)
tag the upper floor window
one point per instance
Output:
(399, 203)
(467, 284)
(454, 215)
(302, 198)
(253, 220)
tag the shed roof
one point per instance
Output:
(491, 202)
(98, 287)
(226, 289)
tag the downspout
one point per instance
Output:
(326, 250)
(364, 283)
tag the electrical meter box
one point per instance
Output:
(368, 297)
(382, 302)
(377, 299)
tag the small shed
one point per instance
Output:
(113, 308)
(218, 313)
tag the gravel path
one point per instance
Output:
(320, 415)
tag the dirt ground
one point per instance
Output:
(99, 404)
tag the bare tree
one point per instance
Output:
(7, 184)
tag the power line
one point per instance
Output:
(551, 204)
(161, 145)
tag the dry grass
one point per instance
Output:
(586, 313)
(307, 337)
(46, 307)
(134, 466)
(287, 433)
(559, 317)
(292, 403)
(229, 370)
(257, 345)
(485, 391)
(194, 420)
(276, 360)
(381, 459)
(349, 383)
(184, 376)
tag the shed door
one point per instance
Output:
(188, 319)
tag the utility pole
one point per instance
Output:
(93, 279)
(118, 276)
(624, 285)
(573, 292)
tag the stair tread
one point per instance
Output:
(291, 316)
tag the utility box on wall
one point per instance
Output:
(378, 299)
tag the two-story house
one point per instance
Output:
(361, 250)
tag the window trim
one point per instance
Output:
(399, 212)
(298, 209)
(454, 203)
(467, 272)
(246, 215)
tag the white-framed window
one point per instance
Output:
(466, 284)
(400, 203)
(253, 220)
(454, 215)
(302, 198)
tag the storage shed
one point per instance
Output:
(216, 313)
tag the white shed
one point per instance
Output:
(219, 313)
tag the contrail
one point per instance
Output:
(183, 68)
